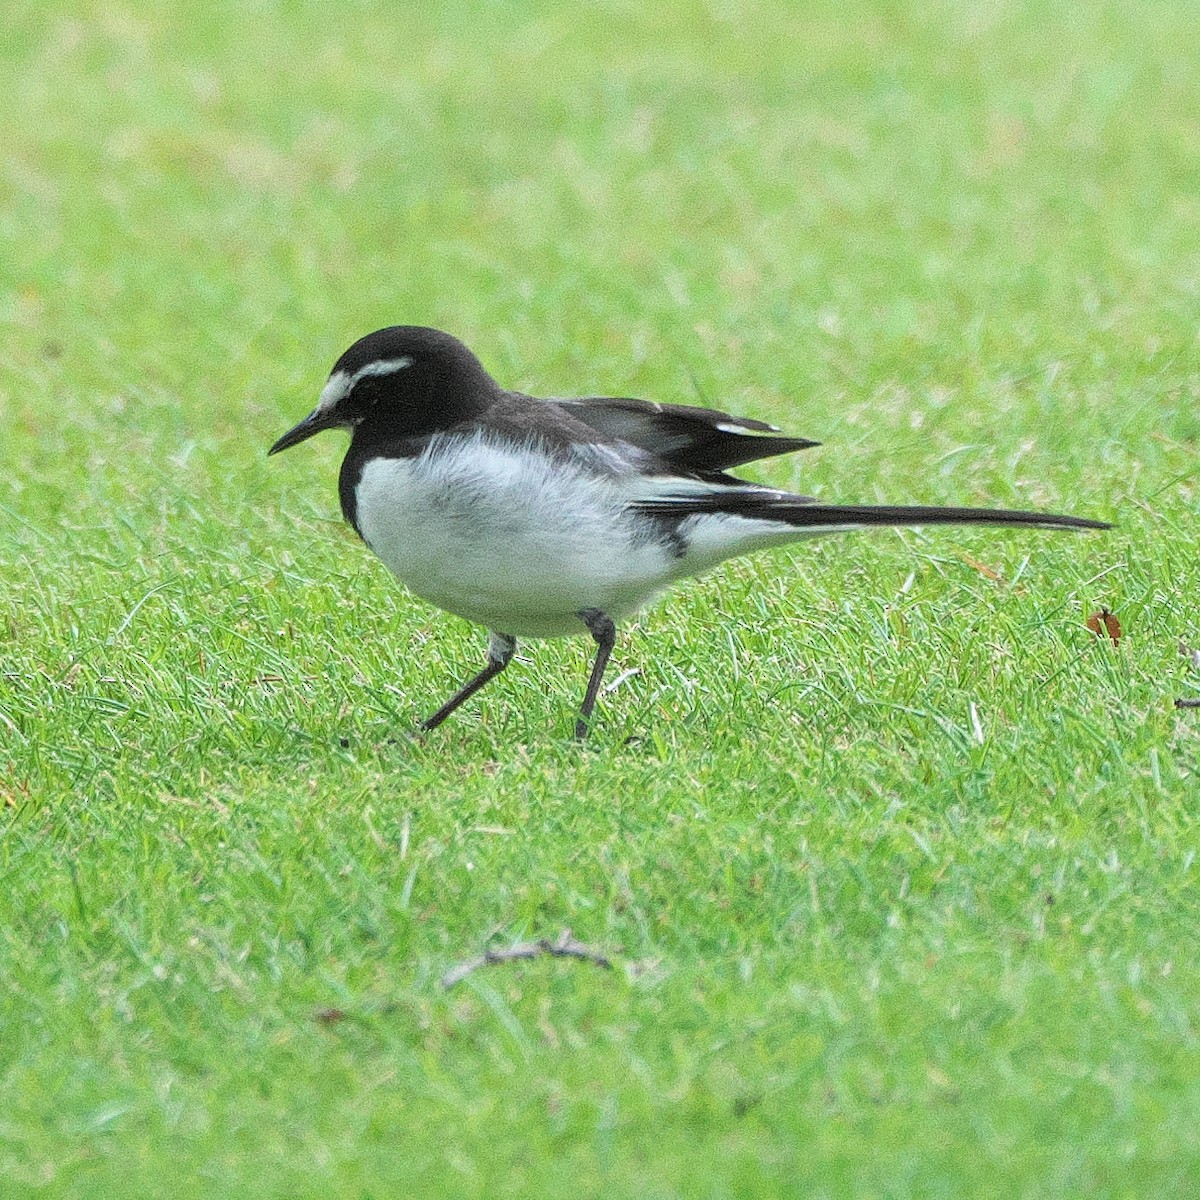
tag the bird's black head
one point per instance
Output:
(405, 380)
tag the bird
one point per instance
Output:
(543, 518)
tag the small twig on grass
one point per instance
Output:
(565, 947)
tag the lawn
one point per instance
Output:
(894, 860)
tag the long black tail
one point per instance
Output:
(799, 512)
(817, 515)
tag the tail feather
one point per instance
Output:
(817, 515)
(801, 512)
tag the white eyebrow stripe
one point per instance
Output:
(340, 385)
(381, 366)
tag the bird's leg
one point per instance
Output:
(601, 627)
(501, 647)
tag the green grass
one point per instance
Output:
(896, 861)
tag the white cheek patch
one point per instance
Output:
(341, 384)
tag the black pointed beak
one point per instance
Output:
(313, 423)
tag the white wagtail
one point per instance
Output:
(544, 518)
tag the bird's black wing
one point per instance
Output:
(690, 440)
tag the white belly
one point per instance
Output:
(511, 540)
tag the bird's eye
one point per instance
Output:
(350, 392)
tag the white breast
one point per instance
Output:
(509, 538)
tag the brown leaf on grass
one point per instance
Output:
(1105, 623)
(329, 1016)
